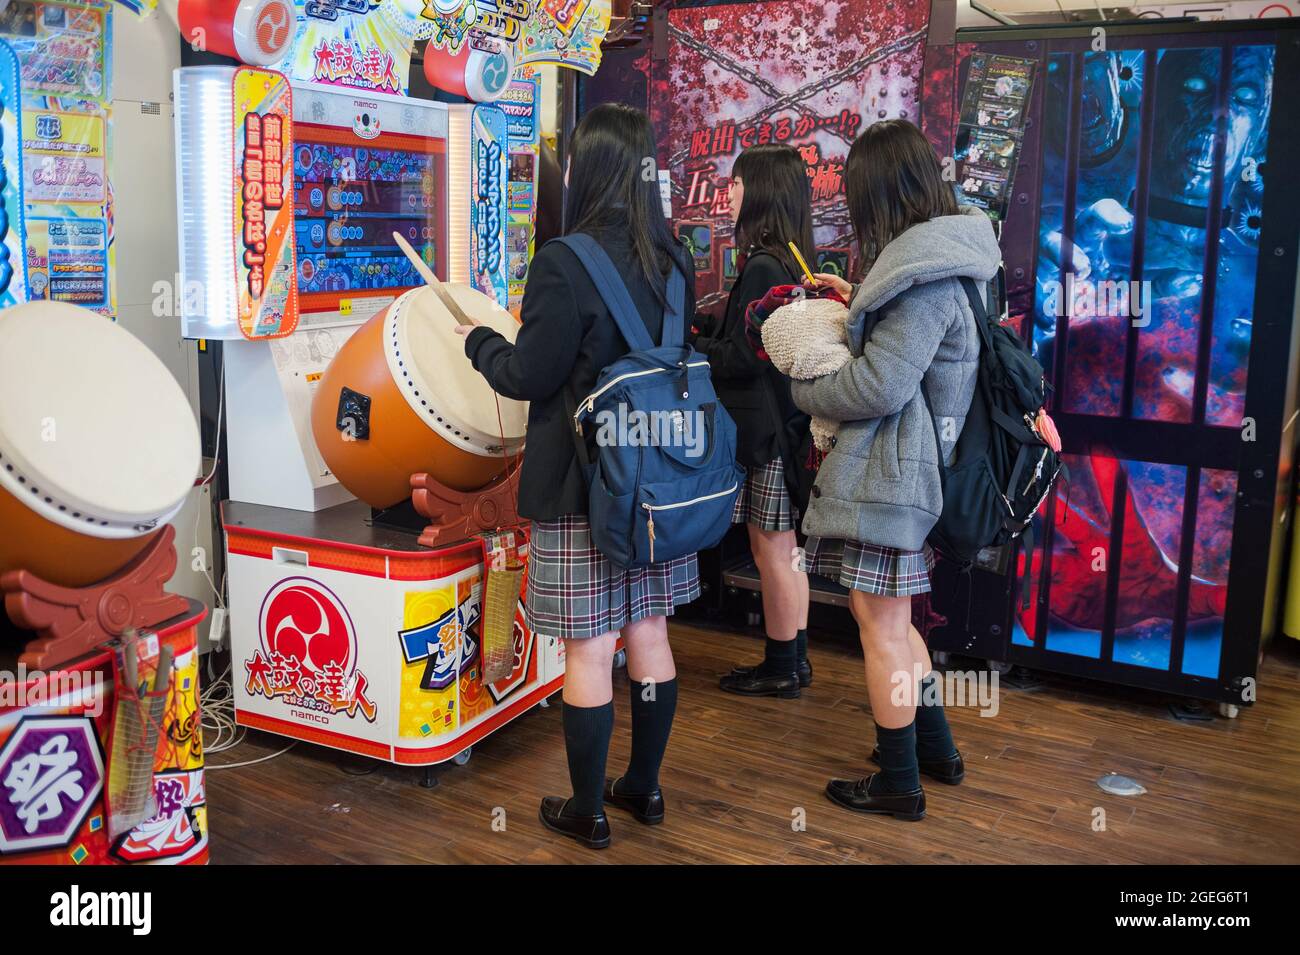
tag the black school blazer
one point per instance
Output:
(567, 338)
(755, 393)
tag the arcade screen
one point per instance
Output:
(728, 76)
(1134, 275)
(350, 196)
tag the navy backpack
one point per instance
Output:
(665, 478)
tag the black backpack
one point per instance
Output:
(1002, 470)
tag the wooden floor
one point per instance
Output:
(737, 773)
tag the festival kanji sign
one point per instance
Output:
(51, 774)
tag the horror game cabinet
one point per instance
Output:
(717, 78)
(375, 559)
(1150, 238)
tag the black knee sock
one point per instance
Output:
(933, 737)
(801, 642)
(898, 770)
(653, 706)
(586, 742)
(780, 657)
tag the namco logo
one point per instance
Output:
(303, 621)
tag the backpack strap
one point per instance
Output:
(674, 329)
(979, 308)
(613, 292)
(938, 443)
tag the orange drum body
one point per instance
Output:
(59, 554)
(400, 398)
(98, 445)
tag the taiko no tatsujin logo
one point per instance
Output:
(308, 653)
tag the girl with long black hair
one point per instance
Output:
(573, 591)
(771, 206)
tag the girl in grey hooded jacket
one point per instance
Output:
(878, 493)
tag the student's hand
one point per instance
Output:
(463, 330)
(837, 284)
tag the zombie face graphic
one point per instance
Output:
(1103, 119)
(1186, 89)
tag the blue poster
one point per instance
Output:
(13, 261)
(488, 211)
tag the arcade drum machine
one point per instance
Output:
(101, 756)
(1149, 229)
(334, 231)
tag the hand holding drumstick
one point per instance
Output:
(813, 280)
(464, 324)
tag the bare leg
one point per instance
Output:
(920, 652)
(649, 657)
(785, 589)
(588, 670)
(884, 627)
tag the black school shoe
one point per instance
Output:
(950, 771)
(856, 794)
(804, 672)
(590, 831)
(648, 808)
(749, 681)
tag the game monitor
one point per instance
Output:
(363, 168)
(722, 77)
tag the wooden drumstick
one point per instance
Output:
(432, 281)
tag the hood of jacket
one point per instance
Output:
(945, 247)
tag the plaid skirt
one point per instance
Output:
(885, 571)
(764, 501)
(575, 593)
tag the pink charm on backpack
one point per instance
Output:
(1046, 429)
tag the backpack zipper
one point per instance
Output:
(588, 404)
(651, 508)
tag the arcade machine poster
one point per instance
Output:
(1133, 251)
(716, 79)
(64, 53)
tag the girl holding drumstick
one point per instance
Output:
(574, 592)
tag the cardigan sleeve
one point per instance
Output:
(885, 377)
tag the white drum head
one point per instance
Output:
(95, 433)
(427, 360)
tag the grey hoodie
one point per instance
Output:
(880, 482)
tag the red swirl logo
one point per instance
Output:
(303, 621)
(271, 28)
